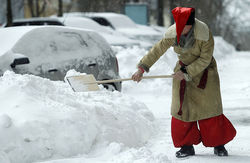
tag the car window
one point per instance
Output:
(37, 23)
(102, 21)
(20, 23)
(53, 23)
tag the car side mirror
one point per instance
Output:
(19, 61)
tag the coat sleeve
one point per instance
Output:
(201, 63)
(155, 53)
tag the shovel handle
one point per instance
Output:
(126, 79)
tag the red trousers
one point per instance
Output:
(212, 132)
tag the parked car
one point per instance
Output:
(113, 38)
(50, 51)
(36, 21)
(123, 24)
(160, 29)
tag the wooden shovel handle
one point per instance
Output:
(126, 79)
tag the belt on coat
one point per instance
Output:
(202, 85)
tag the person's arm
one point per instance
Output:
(204, 60)
(153, 55)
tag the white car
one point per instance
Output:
(123, 24)
(50, 51)
(113, 38)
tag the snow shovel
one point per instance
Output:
(84, 83)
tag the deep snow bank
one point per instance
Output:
(42, 119)
(222, 48)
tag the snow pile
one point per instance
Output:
(222, 48)
(236, 90)
(42, 119)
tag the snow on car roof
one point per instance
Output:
(9, 36)
(82, 22)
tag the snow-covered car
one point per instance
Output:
(35, 21)
(123, 24)
(113, 38)
(160, 29)
(51, 51)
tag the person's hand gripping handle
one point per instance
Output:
(137, 76)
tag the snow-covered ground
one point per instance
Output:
(44, 121)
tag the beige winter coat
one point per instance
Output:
(198, 103)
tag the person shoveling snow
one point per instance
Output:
(196, 95)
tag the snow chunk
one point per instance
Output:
(5, 121)
(76, 83)
(4, 158)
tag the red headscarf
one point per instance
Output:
(181, 15)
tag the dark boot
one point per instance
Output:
(220, 151)
(185, 151)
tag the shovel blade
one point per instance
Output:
(82, 83)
